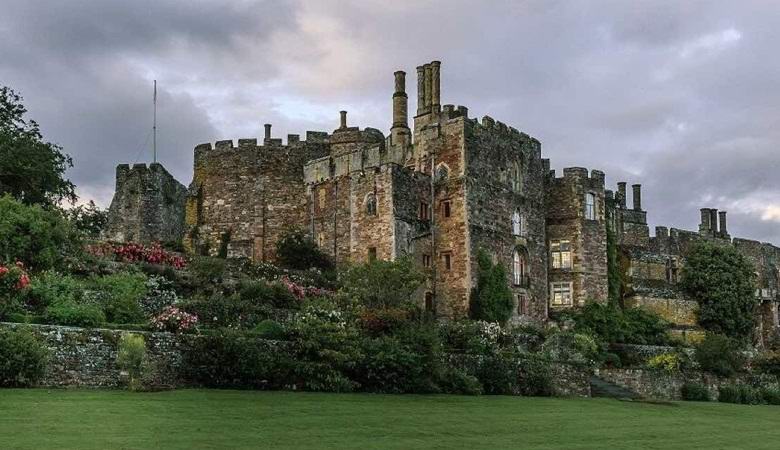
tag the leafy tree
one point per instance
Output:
(40, 238)
(295, 250)
(722, 281)
(720, 355)
(89, 219)
(31, 169)
(491, 300)
(382, 284)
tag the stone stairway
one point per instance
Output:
(600, 387)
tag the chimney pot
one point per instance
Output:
(267, 130)
(637, 188)
(343, 119)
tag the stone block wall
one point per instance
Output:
(148, 205)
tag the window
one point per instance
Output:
(522, 304)
(442, 173)
(517, 177)
(517, 224)
(370, 203)
(560, 254)
(429, 302)
(426, 260)
(321, 239)
(560, 294)
(372, 253)
(447, 261)
(446, 209)
(590, 206)
(519, 267)
(672, 270)
(423, 213)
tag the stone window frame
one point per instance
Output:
(522, 304)
(424, 211)
(560, 258)
(590, 208)
(561, 293)
(370, 203)
(446, 258)
(517, 175)
(426, 260)
(519, 267)
(429, 303)
(517, 223)
(445, 207)
(442, 173)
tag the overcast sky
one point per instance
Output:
(681, 96)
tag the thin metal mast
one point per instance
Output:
(154, 126)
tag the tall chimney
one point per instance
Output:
(420, 89)
(400, 101)
(343, 119)
(267, 130)
(724, 232)
(622, 194)
(637, 188)
(435, 84)
(714, 221)
(428, 86)
(705, 225)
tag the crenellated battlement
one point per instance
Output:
(293, 141)
(578, 174)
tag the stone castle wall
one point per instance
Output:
(148, 205)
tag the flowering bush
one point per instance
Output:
(13, 278)
(153, 254)
(668, 362)
(301, 292)
(175, 320)
(159, 294)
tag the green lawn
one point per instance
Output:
(40, 419)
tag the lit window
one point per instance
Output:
(372, 253)
(446, 208)
(560, 254)
(517, 224)
(518, 268)
(370, 204)
(590, 206)
(321, 239)
(560, 294)
(423, 213)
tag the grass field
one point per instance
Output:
(43, 419)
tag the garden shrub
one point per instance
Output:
(49, 288)
(75, 314)
(771, 395)
(121, 295)
(612, 324)
(695, 392)
(231, 359)
(572, 348)
(14, 281)
(23, 358)
(722, 281)
(207, 270)
(131, 357)
(512, 373)
(263, 293)
(236, 311)
(740, 393)
(720, 355)
(160, 293)
(174, 320)
(471, 336)
(295, 250)
(39, 237)
(668, 362)
(270, 329)
(382, 284)
(491, 300)
(383, 321)
(768, 363)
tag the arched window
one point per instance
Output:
(517, 176)
(370, 203)
(442, 172)
(519, 268)
(517, 224)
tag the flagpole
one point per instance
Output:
(154, 126)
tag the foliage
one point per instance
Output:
(668, 362)
(771, 396)
(612, 324)
(207, 270)
(614, 274)
(382, 284)
(88, 219)
(23, 358)
(230, 359)
(50, 287)
(121, 295)
(491, 299)
(572, 348)
(13, 282)
(174, 320)
(40, 238)
(160, 293)
(472, 337)
(270, 329)
(279, 295)
(722, 281)
(720, 355)
(383, 321)
(510, 373)
(740, 393)
(295, 250)
(768, 363)
(75, 314)
(31, 170)
(695, 392)
(132, 357)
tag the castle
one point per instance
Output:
(440, 192)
